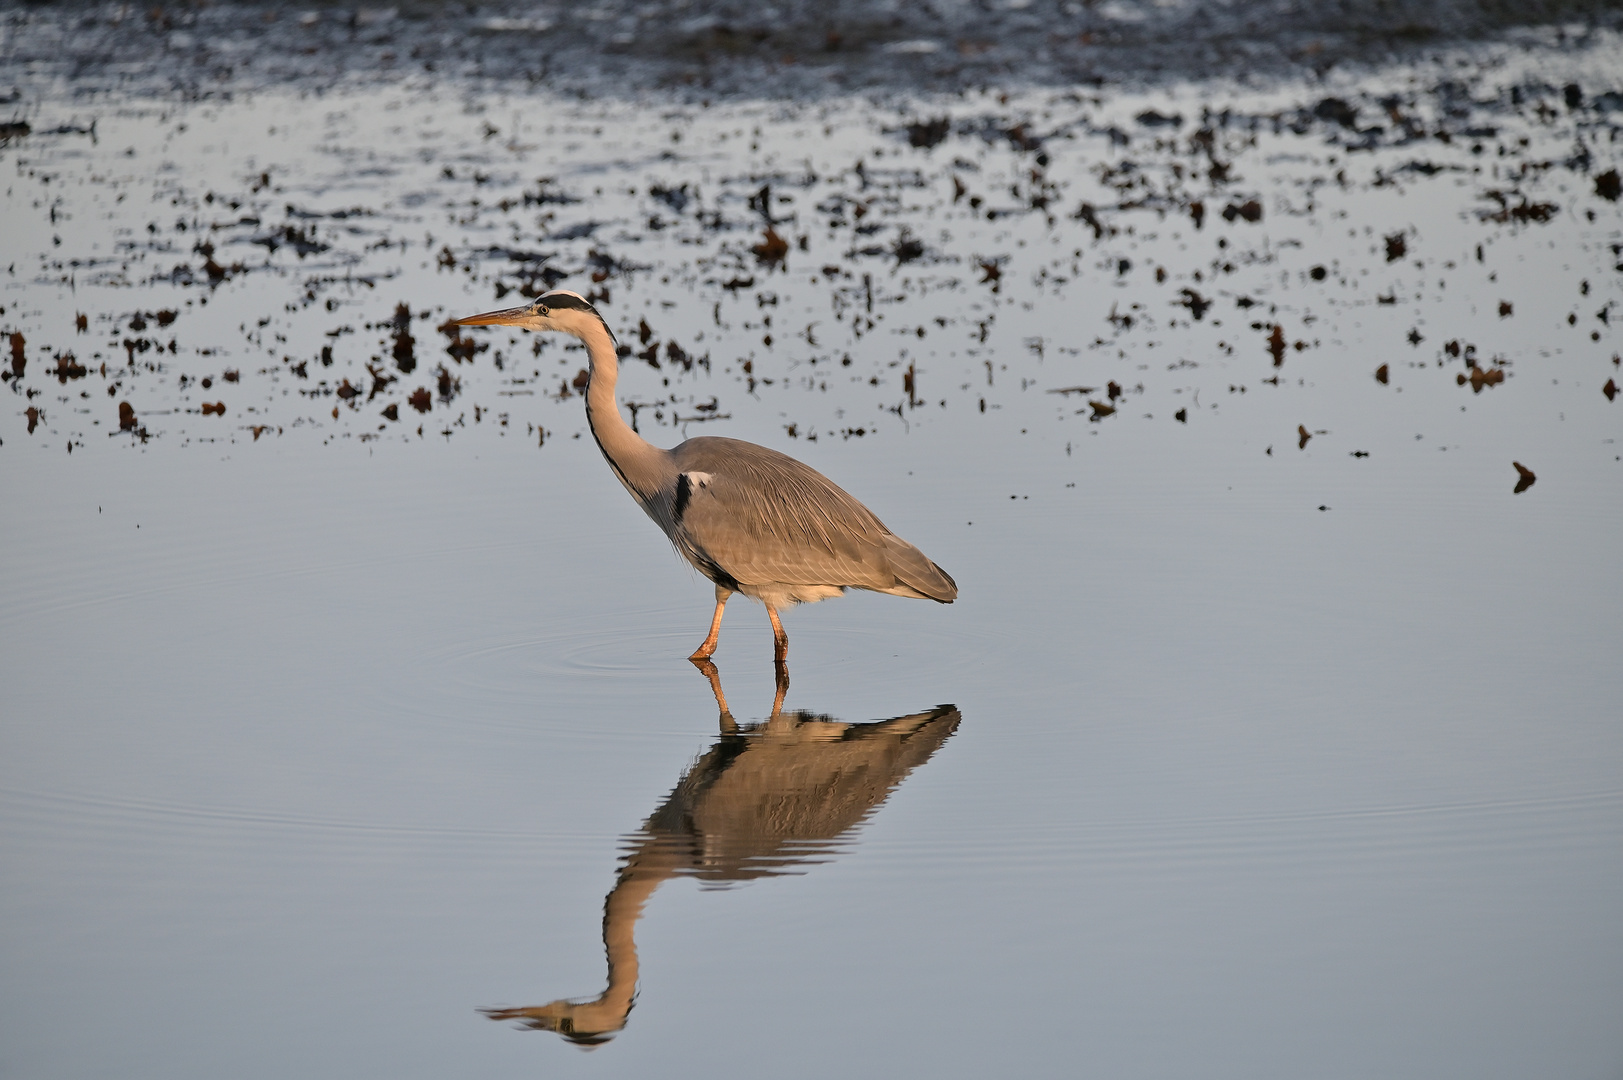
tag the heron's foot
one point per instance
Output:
(708, 649)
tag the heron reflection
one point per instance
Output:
(765, 800)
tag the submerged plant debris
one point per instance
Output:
(831, 268)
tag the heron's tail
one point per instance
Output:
(916, 575)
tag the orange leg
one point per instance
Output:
(728, 724)
(780, 640)
(708, 649)
(781, 670)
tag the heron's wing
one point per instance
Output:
(757, 806)
(763, 517)
(765, 523)
(918, 573)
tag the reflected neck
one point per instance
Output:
(621, 911)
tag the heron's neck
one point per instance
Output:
(639, 464)
(621, 910)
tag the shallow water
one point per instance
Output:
(1239, 754)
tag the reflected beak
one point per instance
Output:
(506, 317)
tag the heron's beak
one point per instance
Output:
(506, 317)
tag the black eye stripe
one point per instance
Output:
(562, 299)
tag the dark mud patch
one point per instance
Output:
(790, 50)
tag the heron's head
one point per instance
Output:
(587, 1024)
(559, 310)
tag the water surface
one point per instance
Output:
(330, 734)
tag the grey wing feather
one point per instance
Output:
(917, 571)
(764, 517)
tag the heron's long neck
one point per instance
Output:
(639, 464)
(621, 910)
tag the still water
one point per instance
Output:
(1274, 733)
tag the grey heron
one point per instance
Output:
(750, 519)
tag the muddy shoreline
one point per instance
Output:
(694, 51)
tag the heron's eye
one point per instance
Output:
(542, 309)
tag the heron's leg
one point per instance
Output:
(781, 670)
(708, 649)
(780, 640)
(729, 726)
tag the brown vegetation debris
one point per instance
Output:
(1196, 303)
(928, 133)
(1276, 345)
(1521, 213)
(1250, 210)
(446, 383)
(1337, 111)
(380, 380)
(772, 249)
(67, 367)
(403, 351)
(459, 347)
(1480, 377)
